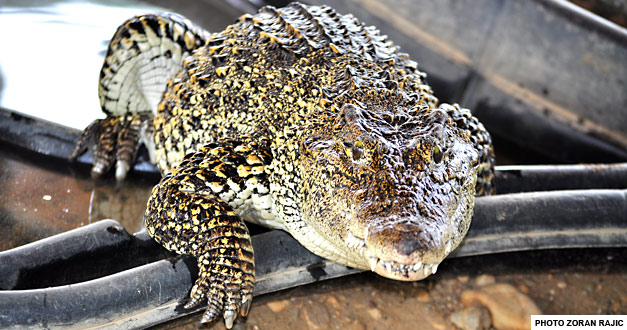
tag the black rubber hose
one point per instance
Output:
(525, 178)
(547, 220)
(90, 252)
(154, 293)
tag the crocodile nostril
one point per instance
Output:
(408, 245)
(404, 240)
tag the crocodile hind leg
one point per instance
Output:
(114, 138)
(196, 210)
(144, 53)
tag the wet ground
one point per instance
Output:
(37, 201)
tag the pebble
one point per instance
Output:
(463, 278)
(615, 307)
(509, 308)
(472, 318)
(315, 315)
(423, 295)
(355, 325)
(561, 285)
(375, 313)
(522, 287)
(332, 301)
(278, 306)
(483, 280)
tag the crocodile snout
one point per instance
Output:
(407, 248)
(405, 242)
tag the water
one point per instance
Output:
(40, 198)
(61, 46)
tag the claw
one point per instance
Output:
(229, 317)
(246, 304)
(98, 170)
(121, 168)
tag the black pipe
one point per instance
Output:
(85, 253)
(547, 220)
(526, 178)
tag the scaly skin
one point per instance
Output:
(300, 119)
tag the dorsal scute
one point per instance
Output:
(302, 30)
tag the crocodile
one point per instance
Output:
(300, 119)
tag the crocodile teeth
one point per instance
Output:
(427, 269)
(354, 242)
(388, 266)
(448, 247)
(393, 267)
(373, 262)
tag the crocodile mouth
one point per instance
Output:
(403, 271)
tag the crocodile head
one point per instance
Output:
(392, 189)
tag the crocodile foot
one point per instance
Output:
(227, 289)
(113, 139)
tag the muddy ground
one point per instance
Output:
(472, 293)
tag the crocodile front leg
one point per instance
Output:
(193, 211)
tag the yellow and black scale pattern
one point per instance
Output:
(297, 118)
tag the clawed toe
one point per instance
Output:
(235, 300)
(229, 317)
(248, 299)
(112, 140)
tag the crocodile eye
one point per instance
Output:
(358, 150)
(354, 150)
(437, 154)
